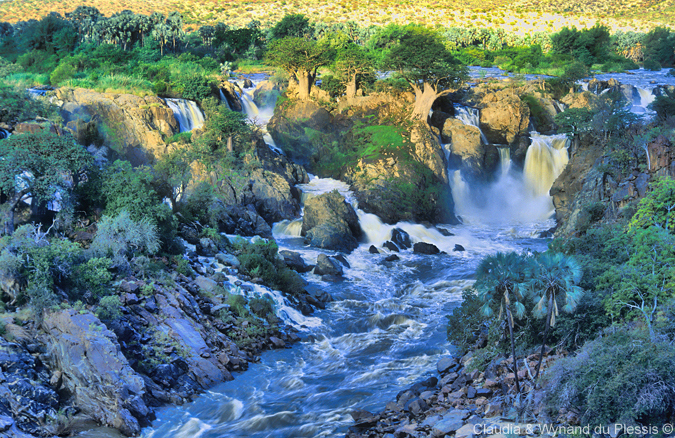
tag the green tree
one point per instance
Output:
(498, 279)
(38, 165)
(292, 25)
(352, 63)
(657, 208)
(553, 279)
(301, 59)
(420, 57)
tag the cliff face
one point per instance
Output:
(134, 126)
(586, 181)
(365, 141)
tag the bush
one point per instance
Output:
(109, 308)
(94, 276)
(620, 378)
(61, 74)
(120, 238)
(652, 65)
(664, 107)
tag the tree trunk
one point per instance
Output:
(543, 344)
(351, 88)
(305, 83)
(7, 211)
(424, 99)
(513, 346)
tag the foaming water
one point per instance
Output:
(187, 114)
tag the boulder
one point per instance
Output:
(327, 266)
(230, 92)
(391, 246)
(133, 125)
(94, 370)
(425, 248)
(330, 222)
(401, 238)
(503, 117)
(373, 250)
(295, 261)
(458, 247)
(467, 152)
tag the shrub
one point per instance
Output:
(652, 65)
(94, 276)
(620, 378)
(109, 308)
(664, 107)
(120, 238)
(61, 74)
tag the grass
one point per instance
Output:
(522, 17)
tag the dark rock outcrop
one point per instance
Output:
(330, 222)
(425, 248)
(326, 265)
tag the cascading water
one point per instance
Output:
(470, 116)
(546, 158)
(187, 114)
(260, 116)
(514, 197)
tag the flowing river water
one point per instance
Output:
(386, 327)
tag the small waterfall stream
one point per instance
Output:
(545, 160)
(187, 114)
(470, 116)
(259, 116)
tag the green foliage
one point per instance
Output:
(574, 121)
(94, 276)
(664, 107)
(536, 109)
(658, 207)
(195, 87)
(40, 263)
(652, 65)
(120, 238)
(238, 304)
(108, 308)
(589, 46)
(620, 378)
(418, 55)
(466, 321)
(37, 61)
(660, 46)
(130, 189)
(299, 57)
(61, 74)
(261, 258)
(17, 106)
(292, 25)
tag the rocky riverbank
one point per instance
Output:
(462, 402)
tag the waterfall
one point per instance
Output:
(470, 116)
(187, 114)
(287, 228)
(514, 197)
(504, 160)
(546, 158)
(646, 97)
(250, 108)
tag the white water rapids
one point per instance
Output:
(386, 327)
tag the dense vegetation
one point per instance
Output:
(603, 292)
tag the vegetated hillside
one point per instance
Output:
(523, 17)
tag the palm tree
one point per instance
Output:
(554, 280)
(498, 278)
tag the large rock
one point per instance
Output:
(467, 151)
(330, 222)
(292, 126)
(132, 125)
(94, 370)
(327, 266)
(503, 117)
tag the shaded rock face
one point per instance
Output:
(25, 391)
(330, 222)
(135, 126)
(581, 100)
(467, 152)
(584, 182)
(252, 200)
(230, 91)
(503, 117)
(292, 128)
(94, 370)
